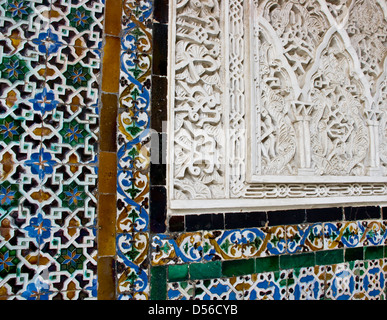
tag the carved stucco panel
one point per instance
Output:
(278, 100)
(198, 132)
(338, 129)
(367, 29)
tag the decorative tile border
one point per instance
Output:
(301, 277)
(266, 241)
(133, 153)
(292, 253)
(72, 115)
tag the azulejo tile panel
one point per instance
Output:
(79, 23)
(317, 261)
(266, 241)
(22, 69)
(70, 133)
(356, 280)
(49, 127)
(24, 19)
(72, 74)
(38, 265)
(133, 151)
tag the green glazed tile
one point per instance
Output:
(329, 257)
(238, 267)
(158, 283)
(267, 264)
(297, 261)
(205, 270)
(352, 254)
(373, 253)
(177, 272)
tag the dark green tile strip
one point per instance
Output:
(267, 264)
(238, 267)
(329, 257)
(158, 289)
(297, 260)
(231, 268)
(178, 272)
(352, 254)
(372, 253)
(205, 270)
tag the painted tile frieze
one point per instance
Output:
(132, 270)
(354, 234)
(180, 249)
(133, 151)
(268, 241)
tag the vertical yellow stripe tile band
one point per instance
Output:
(107, 157)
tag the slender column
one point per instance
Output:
(301, 112)
(373, 118)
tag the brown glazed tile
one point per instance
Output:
(108, 127)
(113, 12)
(106, 278)
(106, 225)
(111, 64)
(107, 173)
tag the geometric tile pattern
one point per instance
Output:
(50, 59)
(50, 73)
(356, 280)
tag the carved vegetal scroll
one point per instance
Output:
(300, 25)
(198, 134)
(278, 104)
(339, 134)
(276, 135)
(328, 121)
(339, 9)
(381, 103)
(367, 28)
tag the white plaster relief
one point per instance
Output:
(237, 100)
(331, 108)
(198, 134)
(302, 114)
(367, 29)
(339, 9)
(339, 136)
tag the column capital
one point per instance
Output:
(301, 110)
(373, 116)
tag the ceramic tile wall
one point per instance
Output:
(133, 151)
(83, 87)
(313, 254)
(331, 254)
(50, 65)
